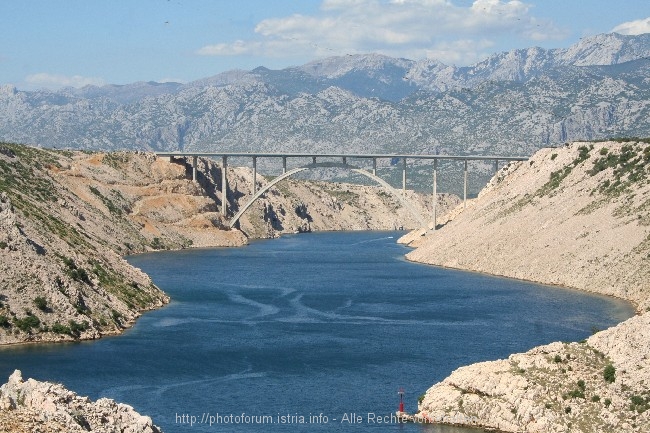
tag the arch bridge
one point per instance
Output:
(332, 162)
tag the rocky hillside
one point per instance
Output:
(31, 406)
(67, 218)
(577, 216)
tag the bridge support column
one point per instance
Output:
(254, 175)
(284, 164)
(194, 161)
(224, 187)
(435, 193)
(374, 166)
(313, 160)
(496, 166)
(465, 187)
(404, 177)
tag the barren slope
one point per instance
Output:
(578, 216)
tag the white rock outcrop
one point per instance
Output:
(31, 406)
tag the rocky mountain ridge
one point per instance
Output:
(510, 104)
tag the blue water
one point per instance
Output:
(312, 325)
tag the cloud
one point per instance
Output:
(400, 28)
(637, 27)
(52, 81)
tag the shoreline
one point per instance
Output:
(635, 306)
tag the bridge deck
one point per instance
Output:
(343, 155)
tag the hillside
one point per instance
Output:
(67, 218)
(576, 216)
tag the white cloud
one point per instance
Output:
(400, 28)
(52, 81)
(637, 27)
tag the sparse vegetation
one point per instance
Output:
(157, 244)
(27, 323)
(112, 207)
(41, 304)
(74, 272)
(639, 403)
(4, 321)
(73, 329)
(629, 166)
(609, 373)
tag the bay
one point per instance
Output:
(309, 332)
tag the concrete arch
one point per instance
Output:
(369, 175)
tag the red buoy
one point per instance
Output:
(401, 399)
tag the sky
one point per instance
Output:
(57, 43)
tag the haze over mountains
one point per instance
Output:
(510, 103)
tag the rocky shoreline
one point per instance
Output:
(31, 406)
(578, 217)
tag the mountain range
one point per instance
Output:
(511, 103)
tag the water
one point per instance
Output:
(330, 323)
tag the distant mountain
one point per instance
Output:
(509, 103)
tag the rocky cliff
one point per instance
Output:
(67, 218)
(31, 406)
(577, 216)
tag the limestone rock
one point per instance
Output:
(43, 406)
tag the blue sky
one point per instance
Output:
(55, 43)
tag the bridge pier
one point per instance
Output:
(496, 166)
(374, 166)
(254, 175)
(465, 187)
(404, 177)
(435, 193)
(284, 164)
(224, 187)
(194, 161)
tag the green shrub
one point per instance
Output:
(581, 384)
(75, 272)
(577, 393)
(58, 328)
(41, 304)
(74, 329)
(3, 245)
(557, 358)
(639, 403)
(607, 402)
(157, 244)
(609, 373)
(4, 321)
(595, 398)
(27, 323)
(553, 156)
(78, 328)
